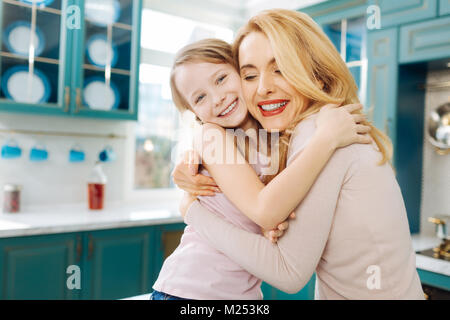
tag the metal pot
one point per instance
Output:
(439, 128)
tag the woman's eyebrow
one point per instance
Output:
(247, 66)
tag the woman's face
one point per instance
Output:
(266, 92)
(213, 91)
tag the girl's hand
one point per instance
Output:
(185, 175)
(275, 234)
(186, 203)
(343, 125)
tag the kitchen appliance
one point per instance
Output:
(439, 128)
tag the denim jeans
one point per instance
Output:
(156, 295)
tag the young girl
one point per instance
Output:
(352, 227)
(205, 81)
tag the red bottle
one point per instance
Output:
(96, 188)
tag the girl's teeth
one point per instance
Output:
(229, 109)
(270, 107)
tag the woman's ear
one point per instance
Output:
(321, 84)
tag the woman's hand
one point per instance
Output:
(185, 175)
(343, 124)
(275, 234)
(186, 203)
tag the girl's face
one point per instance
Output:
(213, 91)
(266, 92)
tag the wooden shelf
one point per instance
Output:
(20, 57)
(39, 8)
(113, 70)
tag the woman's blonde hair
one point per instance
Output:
(311, 64)
(206, 50)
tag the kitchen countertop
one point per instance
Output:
(423, 242)
(38, 220)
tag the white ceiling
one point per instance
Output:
(230, 13)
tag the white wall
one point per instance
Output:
(57, 180)
(436, 168)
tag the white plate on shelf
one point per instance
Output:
(40, 3)
(16, 81)
(97, 48)
(98, 95)
(16, 38)
(102, 12)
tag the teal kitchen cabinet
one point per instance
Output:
(444, 7)
(167, 238)
(307, 293)
(85, 61)
(35, 267)
(382, 80)
(45, 90)
(425, 41)
(394, 13)
(113, 263)
(92, 77)
(118, 263)
(434, 279)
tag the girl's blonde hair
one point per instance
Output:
(206, 50)
(311, 64)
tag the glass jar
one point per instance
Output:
(11, 198)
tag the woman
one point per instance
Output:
(205, 81)
(352, 227)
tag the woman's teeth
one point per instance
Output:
(274, 106)
(227, 110)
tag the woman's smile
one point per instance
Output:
(271, 108)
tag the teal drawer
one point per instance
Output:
(444, 7)
(434, 279)
(394, 13)
(425, 41)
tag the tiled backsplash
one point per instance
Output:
(436, 168)
(57, 180)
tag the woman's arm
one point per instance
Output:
(269, 205)
(289, 264)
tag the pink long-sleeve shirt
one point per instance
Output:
(351, 228)
(196, 270)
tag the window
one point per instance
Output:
(158, 128)
(348, 36)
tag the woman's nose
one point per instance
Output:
(265, 86)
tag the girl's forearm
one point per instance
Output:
(280, 197)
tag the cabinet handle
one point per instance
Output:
(90, 247)
(66, 98)
(78, 100)
(79, 248)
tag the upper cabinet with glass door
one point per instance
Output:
(107, 59)
(34, 52)
(348, 36)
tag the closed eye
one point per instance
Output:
(221, 78)
(249, 78)
(199, 98)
